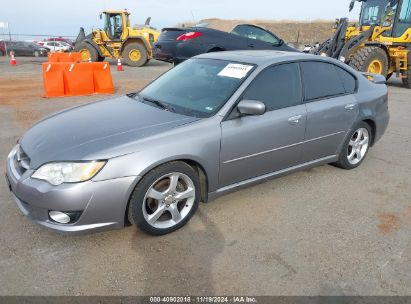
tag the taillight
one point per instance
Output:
(189, 36)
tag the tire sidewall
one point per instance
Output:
(343, 159)
(93, 52)
(362, 59)
(135, 212)
(382, 57)
(141, 49)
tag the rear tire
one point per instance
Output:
(135, 54)
(1, 53)
(154, 204)
(370, 59)
(87, 51)
(355, 147)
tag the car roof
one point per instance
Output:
(262, 57)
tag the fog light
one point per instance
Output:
(60, 217)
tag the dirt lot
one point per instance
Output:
(322, 231)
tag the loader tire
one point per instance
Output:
(135, 54)
(371, 59)
(87, 51)
(407, 78)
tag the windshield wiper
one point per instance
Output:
(159, 104)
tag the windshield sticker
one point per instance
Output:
(235, 70)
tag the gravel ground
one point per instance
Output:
(323, 231)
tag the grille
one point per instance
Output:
(21, 161)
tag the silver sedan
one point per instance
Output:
(214, 124)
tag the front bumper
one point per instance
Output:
(102, 204)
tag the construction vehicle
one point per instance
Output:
(118, 40)
(379, 44)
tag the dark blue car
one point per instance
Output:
(178, 44)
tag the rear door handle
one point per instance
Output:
(350, 106)
(251, 45)
(295, 120)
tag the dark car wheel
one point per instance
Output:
(356, 147)
(165, 199)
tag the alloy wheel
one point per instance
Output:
(168, 200)
(358, 146)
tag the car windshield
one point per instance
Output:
(197, 87)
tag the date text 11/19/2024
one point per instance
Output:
(203, 299)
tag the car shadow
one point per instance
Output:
(180, 263)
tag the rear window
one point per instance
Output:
(348, 80)
(321, 80)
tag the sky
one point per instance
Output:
(64, 18)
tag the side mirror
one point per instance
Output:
(251, 107)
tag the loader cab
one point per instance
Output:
(115, 24)
(395, 14)
(378, 12)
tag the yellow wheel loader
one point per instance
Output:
(117, 40)
(379, 44)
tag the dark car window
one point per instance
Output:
(348, 80)
(278, 87)
(321, 80)
(253, 32)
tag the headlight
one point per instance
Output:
(59, 173)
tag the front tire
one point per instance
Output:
(356, 147)
(370, 59)
(87, 51)
(165, 199)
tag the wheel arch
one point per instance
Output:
(370, 121)
(216, 49)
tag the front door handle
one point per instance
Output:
(350, 106)
(295, 120)
(251, 45)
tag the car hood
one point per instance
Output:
(96, 131)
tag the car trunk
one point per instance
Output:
(171, 34)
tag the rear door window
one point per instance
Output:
(277, 87)
(348, 80)
(321, 80)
